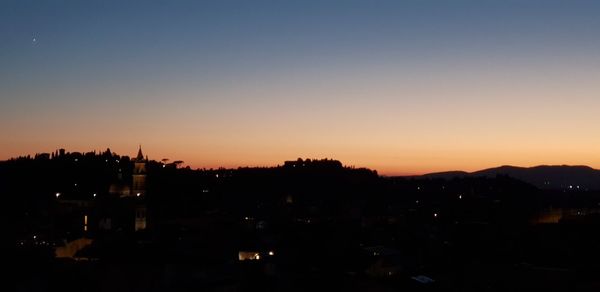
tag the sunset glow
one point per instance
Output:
(409, 88)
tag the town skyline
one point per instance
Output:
(180, 163)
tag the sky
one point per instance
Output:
(403, 87)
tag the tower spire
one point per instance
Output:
(140, 156)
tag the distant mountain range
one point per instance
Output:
(543, 176)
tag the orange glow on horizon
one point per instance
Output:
(403, 163)
(393, 126)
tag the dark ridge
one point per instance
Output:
(551, 177)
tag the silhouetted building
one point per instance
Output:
(138, 187)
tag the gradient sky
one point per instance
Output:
(404, 87)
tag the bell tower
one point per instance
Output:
(138, 187)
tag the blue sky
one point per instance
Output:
(393, 85)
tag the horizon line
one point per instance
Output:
(390, 174)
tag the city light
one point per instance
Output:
(248, 255)
(57, 195)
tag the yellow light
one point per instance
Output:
(271, 253)
(138, 194)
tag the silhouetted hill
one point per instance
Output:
(447, 174)
(543, 176)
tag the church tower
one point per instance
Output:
(138, 187)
